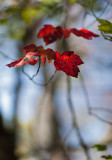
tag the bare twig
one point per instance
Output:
(99, 15)
(106, 36)
(32, 78)
(37, 69)
(74, 119)
(102, 109)
(4, 55)
(88, 103)
(73, 113)
(101, 119)
(109, 38)
(68, 134)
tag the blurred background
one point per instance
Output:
(36, 122)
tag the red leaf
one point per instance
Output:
(32, 52)
(46, 31)
(66, 32)
(68, 62)
(31, 58)
(49, 54)
(46, 53)
(84, 33)
(51, 34)
(31, 48)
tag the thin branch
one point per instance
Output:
(99, 15)
(37, 69)
(109, 38)
(32, 78)
(73, 114)
(85, 93)
(68, 134)
(101, 119)
(88, 102)
(4, 55)
(104, 36)
(50, 78)
(108, 2)
(101, 108)
(74, 119)
(93, 11)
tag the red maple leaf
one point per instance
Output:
(84, 33)
(51, 34)
(32, 53)
(66, 32)
(30, 48)
(30, 58)
(68, 62)
(49, 54)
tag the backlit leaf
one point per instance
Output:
(105, 26)
(32, 53)
(28, 59)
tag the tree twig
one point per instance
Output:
(109, 38)
(73, 113)
(32, 78)
(4, 55)
(88, 102)
(99, 15)
(74, 119)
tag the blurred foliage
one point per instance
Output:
(18, 18)
(105, 26)
(12, 10)
(97, 5)
(73, 1)
(28, 14)
(109, 157)
(3, 21)
(50, 9)
(16, 31)
(51, 1)
(100, 147)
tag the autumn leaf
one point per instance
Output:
(84, 33)
(44, 53)
(68, 62)
(50, 54)
(30, 58)
(32, 53)
(51, 34)
(31, 48)
(66, 32)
